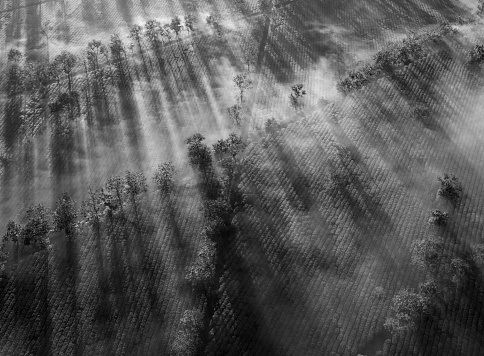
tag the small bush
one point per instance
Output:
(164, 177)
(478, 253)
(272, 126)
(476, 54)
(407, 307)
(480, 8)
(438, 217)
(450, 187)
(199, 154)
(421, 112)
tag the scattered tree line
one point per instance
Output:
(397, 54)
(447, 269)
(102, 204)
(71, 85)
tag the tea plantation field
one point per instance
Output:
(241, 177)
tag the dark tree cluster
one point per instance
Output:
(35, 230)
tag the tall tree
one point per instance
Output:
(164, 177)
(99, 69)
(46, 30)
(37, 227)
(153, 32)
(120, 59)
(243, 83)
(189, 24)
(92, 208)
(65, 214)
(67, 62)
(235, 114)
(114, 188)
(198, 153)
(135, 184)
(14, 233)
(136, 34)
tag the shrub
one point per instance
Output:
(450, 187)
(385, 59)
(477, 54)
(272, 126)
(65, 214)
(113, 192)
(230, 147)
(421, 112)
(407, 307)
(198, 152)
(187, 338)
(37, 227)
(92, 209)
(13, 233)
(439, 217)
(429, 254)
(478, 252)
(480, 8)
(460, 269)
(65, 100)
(234, 112)
(3, 259)
(201, 273)
(296, 96)
(164, 177)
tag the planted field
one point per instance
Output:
(241, 178)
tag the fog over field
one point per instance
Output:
(241, 177)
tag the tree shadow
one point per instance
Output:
(33, 24)
(244, 334)
(32, 304)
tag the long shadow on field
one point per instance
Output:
(32, 304)
(124, 7)
(245, 332)
(95, 14)
(131, 117)
(61, 150)
(33, 24)
(298, 180)
(12, 121)
(68, 271)
(27, 172)
(13, 30)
